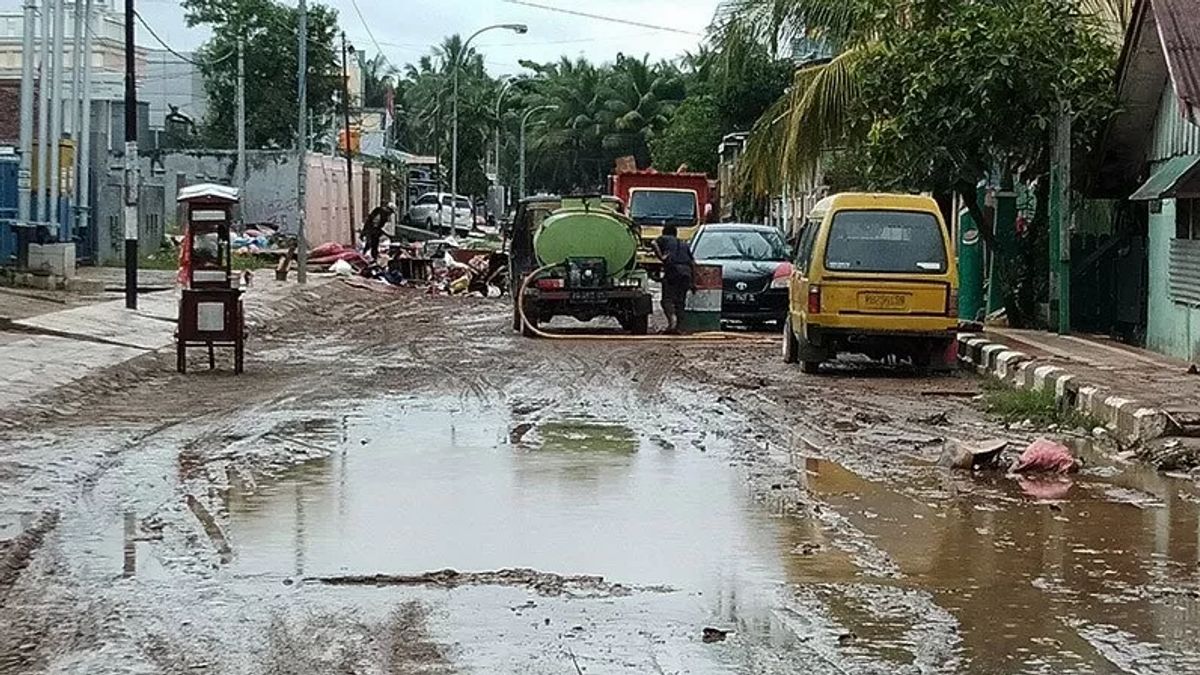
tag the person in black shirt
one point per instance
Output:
(677, 260)
(373, 229)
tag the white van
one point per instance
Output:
(435, 211)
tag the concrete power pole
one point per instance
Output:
(241, 113)
(25, 177)
(1060, 223)
(76, 108)
(56, 114)
(131, 162)
(346, 137)
(83, 179)
(302, 142)
(43, 133)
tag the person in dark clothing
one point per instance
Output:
(677, 260)
(373, 229)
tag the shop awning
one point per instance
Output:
(1168, 180)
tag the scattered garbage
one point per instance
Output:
(711, 635)
(971, 456)
(342, 268)
(1045, 456)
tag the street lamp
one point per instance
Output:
(519, 29)
(524, 121)
(508, 83)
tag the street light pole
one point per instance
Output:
(525, 121)
(499, 125)
(519, 29)
(301, 141)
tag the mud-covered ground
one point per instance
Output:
(401, 485)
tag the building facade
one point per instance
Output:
(1151, 155)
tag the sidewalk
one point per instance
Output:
(1139, 394)
(49, 350)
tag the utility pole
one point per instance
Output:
(301, 142)
(43, 133)
(131, 162)
(25, 175)
(1060, 223)
(76, 92)
(56, 116)
(83, 179)
(241, 113)
(346, 134)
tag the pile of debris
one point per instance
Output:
(440, 266)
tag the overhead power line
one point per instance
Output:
(601, 17)
(170, 49)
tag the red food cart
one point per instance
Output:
(210, 309)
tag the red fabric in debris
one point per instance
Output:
(326, 250)
(1043, 456)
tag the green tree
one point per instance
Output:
(269, 31)
(691, 138)
(822, 109)
(378, 75)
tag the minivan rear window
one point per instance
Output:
(908, 242)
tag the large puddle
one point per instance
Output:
(1093, 573)
(420, 487)
(1097, 573)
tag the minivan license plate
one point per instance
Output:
(883, 301)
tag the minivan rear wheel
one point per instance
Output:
(791, 348)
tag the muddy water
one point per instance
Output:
(1095, 573)
(426, 486)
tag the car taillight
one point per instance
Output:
(783, 274)
(551, 284)
(952, 303)
(814, 299)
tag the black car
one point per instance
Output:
(755, 267)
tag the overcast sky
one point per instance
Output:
(406, 29)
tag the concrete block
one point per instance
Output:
(1062, 380)
(85, 286)
(1042, 375)
(988, 355)
(56, 259)
(1007, 362)
(1150, 423)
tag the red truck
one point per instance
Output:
(653, 199)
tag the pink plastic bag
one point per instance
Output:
(1043, 456)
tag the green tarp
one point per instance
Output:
(1165, 183)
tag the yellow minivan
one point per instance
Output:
(872, 274)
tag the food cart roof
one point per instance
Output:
(210, 191)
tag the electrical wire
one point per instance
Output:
(601, 17)
(170, 49)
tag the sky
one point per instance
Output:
(406, 29)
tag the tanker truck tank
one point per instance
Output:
(584, 262)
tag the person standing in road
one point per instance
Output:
(677, 260)
(373, 228)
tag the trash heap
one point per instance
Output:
(440, 266)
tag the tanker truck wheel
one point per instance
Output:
(639, 325)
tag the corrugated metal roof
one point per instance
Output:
(1179, 30)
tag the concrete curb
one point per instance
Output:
(1130, 421)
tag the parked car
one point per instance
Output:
(874, 274)
(433, 211)
(755, 268)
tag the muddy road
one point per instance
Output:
(400, 485)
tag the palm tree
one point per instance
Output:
(818, 111)
(641, 99)
(378, 75)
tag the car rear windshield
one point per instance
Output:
(740, 245)
(661, 207)
(907, 242)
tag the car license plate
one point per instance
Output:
(882, 301)
(739, 298)
(586, 296)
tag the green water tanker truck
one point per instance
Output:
(577, 257)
